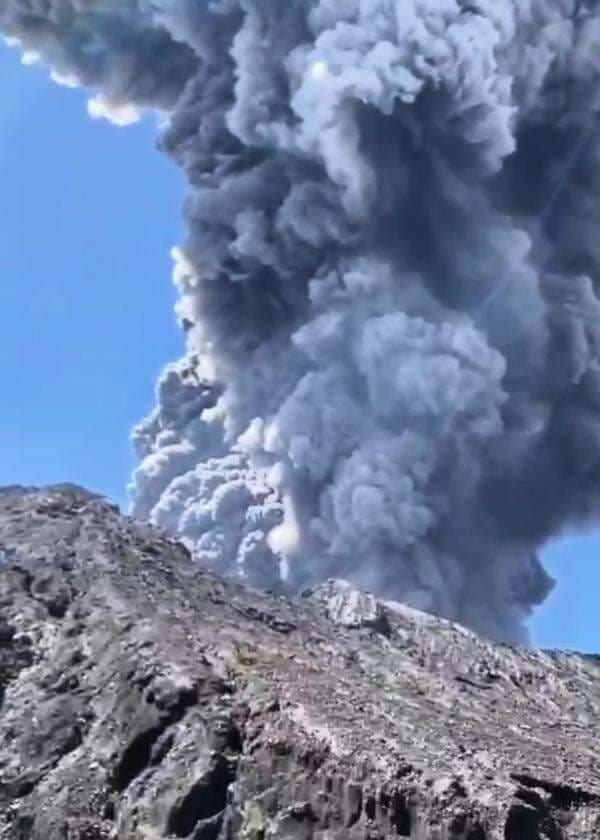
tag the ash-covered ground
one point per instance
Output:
(143, 697)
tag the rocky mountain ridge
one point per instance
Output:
(144, 697)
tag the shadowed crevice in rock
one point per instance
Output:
(560, 795)
(136, 757)
(139, 753)
(525, 823)
(400, 815)
(205, 801)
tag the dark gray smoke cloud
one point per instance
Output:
(389, 288)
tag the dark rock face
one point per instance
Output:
(145, 698)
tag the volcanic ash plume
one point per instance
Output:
(389, 288)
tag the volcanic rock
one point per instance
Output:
(143, 697)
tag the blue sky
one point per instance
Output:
(88, 215)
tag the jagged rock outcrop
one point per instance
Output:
(143, 697)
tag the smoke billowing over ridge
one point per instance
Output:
(389, 288)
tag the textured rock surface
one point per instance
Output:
(145, 698)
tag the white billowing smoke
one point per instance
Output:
(389, 288)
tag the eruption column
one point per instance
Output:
(362, 175)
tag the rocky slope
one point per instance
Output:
(145, 698)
